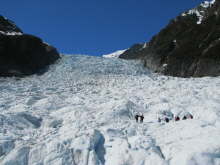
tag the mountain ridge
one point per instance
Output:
(23, 54)
(187, 47)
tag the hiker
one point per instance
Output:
(136, 117)
(184, 117)
(167, 120)
(177, 118)
(142, 118)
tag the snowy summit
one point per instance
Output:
(199, 12)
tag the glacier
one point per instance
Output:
(81, 112)
(114, 54)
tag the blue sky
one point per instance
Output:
(93, 27)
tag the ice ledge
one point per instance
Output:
(10, 33)
(115, 54)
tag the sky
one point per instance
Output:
(93, 27)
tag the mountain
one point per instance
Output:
(81, 112)
(23, 54)
(188, 46)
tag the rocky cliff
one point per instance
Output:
(22, 54)
(189, 46)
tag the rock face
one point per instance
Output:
(22, 54)
(189, 46)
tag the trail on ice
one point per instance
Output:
(81, 112)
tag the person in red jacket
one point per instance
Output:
(177, 118)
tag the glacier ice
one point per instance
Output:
(81, 112)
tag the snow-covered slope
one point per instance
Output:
(200, 10)
(81, 112)
(115, 54)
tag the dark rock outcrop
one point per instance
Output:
(23, 54)
(189, 46)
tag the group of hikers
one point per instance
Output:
(141, 116)
(166, 116)
(177, 118)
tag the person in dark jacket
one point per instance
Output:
(167, 120)
(136, 118)
(184, 117)
(142, 118)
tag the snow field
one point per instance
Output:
(81, 112)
